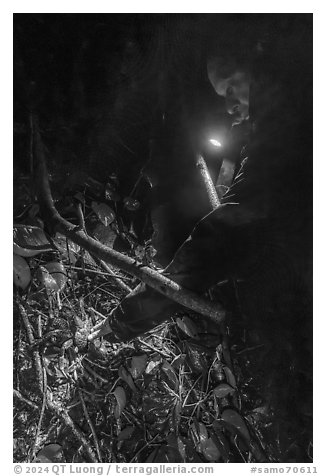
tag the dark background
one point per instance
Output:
(102, 80)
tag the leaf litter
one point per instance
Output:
(169, 396)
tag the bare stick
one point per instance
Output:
(80, 216)
(90, 424)
(160, 283)
(110, 271)
(31, 341)
(95, 374)
(146, 344)
(100, 273)
(39, 425)
(119, 281)
(211, 191)
(23, 399)
(62, 414)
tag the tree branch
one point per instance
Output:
(210, 189)
(152, 278)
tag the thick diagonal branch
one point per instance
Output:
(152, 278)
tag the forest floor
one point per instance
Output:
(181, 393)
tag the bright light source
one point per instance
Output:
(215, 143)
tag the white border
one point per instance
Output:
(7, 8)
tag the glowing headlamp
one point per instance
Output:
(215, 143)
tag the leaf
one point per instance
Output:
(187, 326)
(199, 434)
(221, 442)
(196, 357)
(52, 453)
(177, 413)
(120, 395)
(202, 432)
(152, 366)
(223, 390)
(182, 445)
(187, 451)
(30, 240)
(105, 213)
(22, 272)
(233, 417)
(172, 439)
(167, 454)
(159, 406)
(140, 252)
(105, 235)
(126, 377)
(229, 376)
(68, 249)
(47, 279)
(138, 365)
(178, 361)
(170, 373)
(88, 260)
(217, 373)
(53, 276)
(182, 448)
(152, 456)
(210, 450)
(126, 433)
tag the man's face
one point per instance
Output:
(235, 89)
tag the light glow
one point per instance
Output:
(215, 143)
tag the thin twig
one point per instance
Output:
(141, 449)
(17, 356)
(39, 326)
(163, 339)
(249, 349)
(90, 424)
(209, 372)
(95, 374)
(80, 216)
(100, 273)
(90, 379)
(23, 399)
(99, 314)
(103, 290)
(112, 274)
(31, 340)
(62, 414)
(189, 392)
(28, 328)
(119, 281)
(39, 425)
(96, 364)
(153, 348)
(226, 348)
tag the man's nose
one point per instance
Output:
(232, 105)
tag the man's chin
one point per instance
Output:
(239, 120)
(236, 121)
